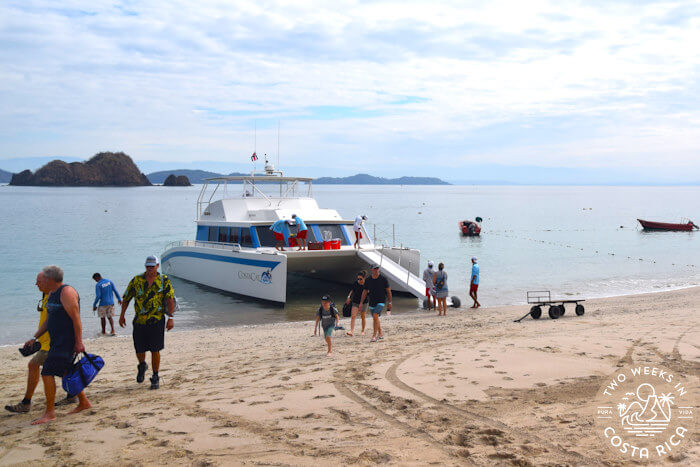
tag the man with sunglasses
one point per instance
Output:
(154, 298)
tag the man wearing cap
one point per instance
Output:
(153, 299)
(474, 283)
(301, 231)
(328, 315)
(377, 287)
(428, 279)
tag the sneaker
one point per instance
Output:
(18, 408)
(155, 382)
(141, 375)
(66, 401)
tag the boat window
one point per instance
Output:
(202, 233)
(331, 231)
(213, 233)
(233, 236)
(223, 234)
(246, 239)
(265, 235)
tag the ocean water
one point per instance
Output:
(575, 241)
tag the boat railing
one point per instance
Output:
(199, 243)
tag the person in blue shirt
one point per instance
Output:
(278, 229)
(103, 297)
(301, 231)
(474, 283)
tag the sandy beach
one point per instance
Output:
(471, 388)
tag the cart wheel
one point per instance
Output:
(536, 312)
(456, 301)
(562, 310)
(580, 310)
(554, 312)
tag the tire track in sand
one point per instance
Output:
(393, 378)
(352, 395)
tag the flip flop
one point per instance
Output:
(373, 340)
(349, 334)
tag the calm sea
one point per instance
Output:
(574, 241)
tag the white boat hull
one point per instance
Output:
(253, 274)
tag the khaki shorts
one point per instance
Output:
(40, 357)
(106, 311)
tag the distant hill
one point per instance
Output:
(365, 179)
(194, 176)
(5, 177)
(103, 169)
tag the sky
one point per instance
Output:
(434, 88)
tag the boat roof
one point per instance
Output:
(256, 178)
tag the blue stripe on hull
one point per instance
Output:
(225, 259)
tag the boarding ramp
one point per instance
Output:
(400, 278)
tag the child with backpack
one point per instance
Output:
(327, 314)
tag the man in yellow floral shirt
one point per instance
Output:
(153, 299)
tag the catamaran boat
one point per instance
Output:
(234, 249)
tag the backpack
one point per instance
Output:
(440, 281)
(328, 320)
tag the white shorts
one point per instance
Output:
(106, 311)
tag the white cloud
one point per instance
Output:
(555, 83)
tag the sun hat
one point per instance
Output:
(152, 261)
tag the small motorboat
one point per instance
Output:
(470, 228)
(682, 227)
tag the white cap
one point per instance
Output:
(474, 259)
(430, 264)
(152, 261)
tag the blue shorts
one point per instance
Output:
(328, 332)
(377, 309)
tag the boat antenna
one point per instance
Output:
(278, 144)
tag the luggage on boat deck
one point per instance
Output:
(293, 241)
(315, 245)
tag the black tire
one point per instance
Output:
(580, 310)
(456, 303)
(562, 310)
(536, 312)
(554, 312)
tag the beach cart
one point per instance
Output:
(557, 308)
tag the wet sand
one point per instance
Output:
(471, 388)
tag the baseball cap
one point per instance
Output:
(152, 261)
(374, 266)
(473, 258)
(326, 298)
(430, 264)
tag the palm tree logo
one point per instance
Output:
(648, 414)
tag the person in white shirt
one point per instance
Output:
(428, 279)
(357, 227)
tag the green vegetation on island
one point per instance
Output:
(103, 169)
(177, 180)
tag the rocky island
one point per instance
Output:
(103, 169)
(179, 180)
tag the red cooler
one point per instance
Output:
(335, 244)
(326, 244)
